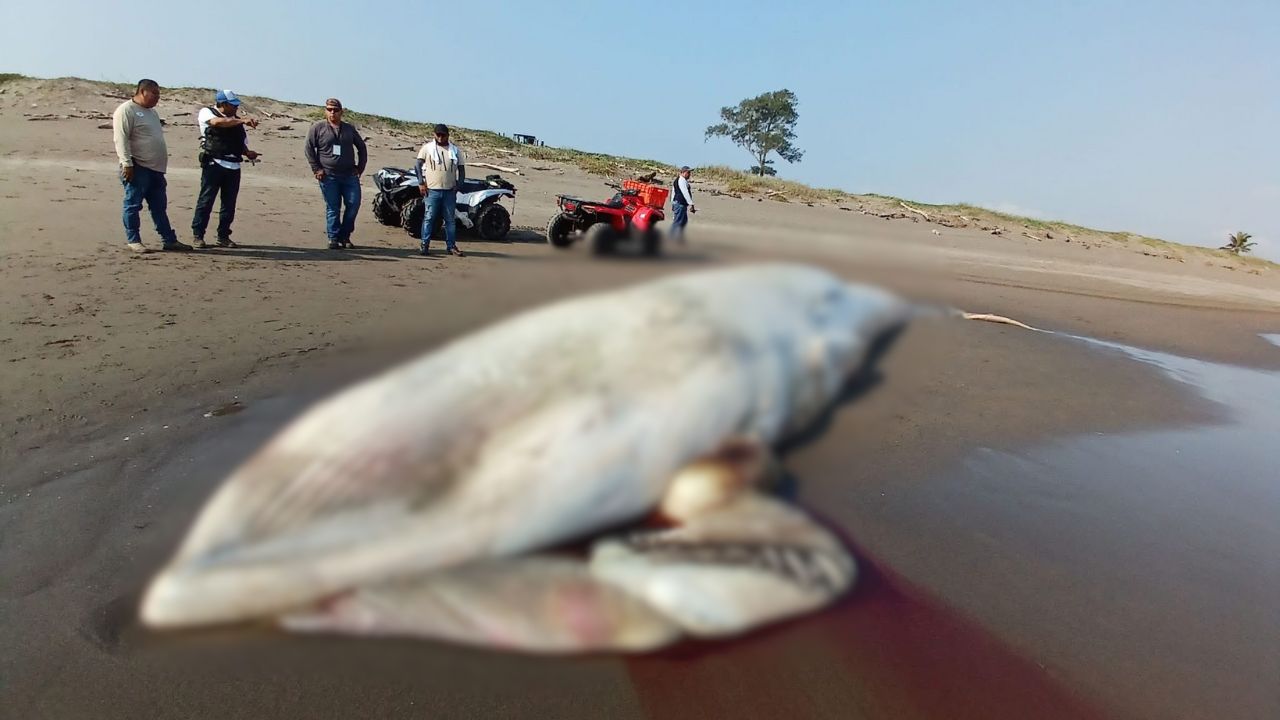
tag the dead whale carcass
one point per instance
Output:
(556, 423)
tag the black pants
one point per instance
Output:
(214, 179)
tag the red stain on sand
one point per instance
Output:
(888, 651)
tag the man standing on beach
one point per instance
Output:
(681, 204)
(144, 158)
(441, 166)
(224, 144)
(338, 157)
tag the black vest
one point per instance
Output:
(676, 197)
(226, 143)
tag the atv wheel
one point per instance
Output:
(559, 230)
(384, 210)
(493, 222)
(411, 216)
(601, 238)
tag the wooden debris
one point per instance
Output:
(499, 168)
(917, 211)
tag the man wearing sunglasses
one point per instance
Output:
(338, 156)
(441, 166)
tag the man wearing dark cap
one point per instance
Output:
(681, 204)
(223, 145)
(338, 156)
(441, 166)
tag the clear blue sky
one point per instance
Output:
(1158, 117)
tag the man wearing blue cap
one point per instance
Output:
(223, 146)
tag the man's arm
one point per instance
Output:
(244, 144)
(311, 150)
(221, 122)
(121, 127)
(362, 153)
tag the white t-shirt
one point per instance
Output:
(202, 122)
(440, 164)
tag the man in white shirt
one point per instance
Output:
(440, 168)
(224, 144)
(144, 158)
(681, 204)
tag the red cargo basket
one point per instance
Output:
(651, 195)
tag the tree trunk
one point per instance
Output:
(760, 162)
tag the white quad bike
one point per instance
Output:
(479, 207)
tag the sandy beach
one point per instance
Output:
(1001, 580)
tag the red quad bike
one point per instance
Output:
(631, 216)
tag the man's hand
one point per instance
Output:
(693, 209)
(320, 174)
(422, 190)
(251, 122)
(126, 172)
(252, 155)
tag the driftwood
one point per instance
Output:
(917, 211)
(104, 126)
(499, 168)
(987, 317)
(402, 147)
(1033, 237)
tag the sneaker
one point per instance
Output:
(335, 245)
(456, 251)
(176, 246)
(348, 245)
(138, 248)
(200, 244)
(226, 243)
(422, 250)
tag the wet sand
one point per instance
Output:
(1016, 563)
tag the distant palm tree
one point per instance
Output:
(1238, 243)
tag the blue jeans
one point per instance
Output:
(340, 190)
(146, 185)
(679, 218)
(440, 204)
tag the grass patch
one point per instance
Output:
(6, 78)
(743, 183)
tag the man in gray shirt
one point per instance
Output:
(144, 158)
(337, 155)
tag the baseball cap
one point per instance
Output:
(685, 168)
(226, 96)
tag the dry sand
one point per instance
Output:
(111, 363)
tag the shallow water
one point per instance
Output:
(1143, 568)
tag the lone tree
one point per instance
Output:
(1238, 243)
(762, 125)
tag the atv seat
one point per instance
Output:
(470, 185)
